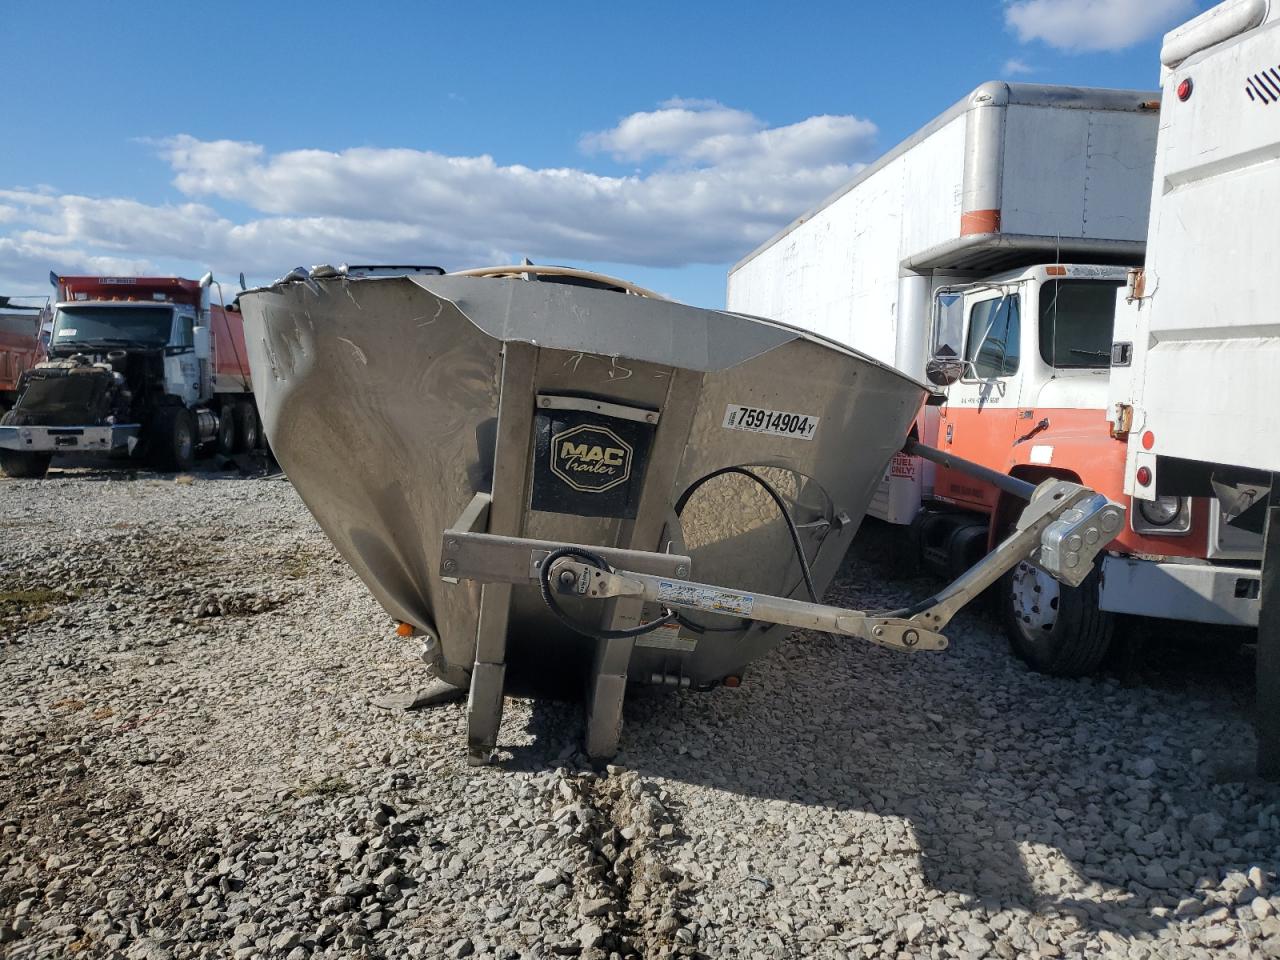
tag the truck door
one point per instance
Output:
(181, 367)
(979, 418)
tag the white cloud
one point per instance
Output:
(721, 180)
(1080, 26)
(1014, 67)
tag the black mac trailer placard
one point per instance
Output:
(589, 464)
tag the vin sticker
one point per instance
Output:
(779, 423)
(706, 598)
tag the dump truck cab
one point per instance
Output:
(131, 370)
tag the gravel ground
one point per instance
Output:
(190, 766)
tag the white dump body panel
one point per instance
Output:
(1011, 168)
(1206, 334)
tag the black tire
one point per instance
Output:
(1074, 634)
(18, 464)
(248, 429)
(902, 556)
(173, 439)
(24, 466)
(966, 546)
(228, 432)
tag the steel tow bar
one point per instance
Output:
(1063, 528)
(576, 578)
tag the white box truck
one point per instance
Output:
(985, 253)
(1197, 339)
(1195, 360)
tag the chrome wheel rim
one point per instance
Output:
(1036, 597)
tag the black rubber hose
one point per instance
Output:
(782, 508)
(548, 597)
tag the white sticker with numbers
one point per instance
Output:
(779, 423)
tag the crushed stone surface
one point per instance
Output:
(190, 766)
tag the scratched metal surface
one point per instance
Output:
(380, 399)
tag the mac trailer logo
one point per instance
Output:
(590, 459)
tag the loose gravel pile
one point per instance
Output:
(190, 766)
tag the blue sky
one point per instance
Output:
(657, 141)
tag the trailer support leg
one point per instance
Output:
(607, 686)
(510, 480)
(1268, 656)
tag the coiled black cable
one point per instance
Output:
(599, 633)
(781, 504)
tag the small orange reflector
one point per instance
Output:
(732, 681)
(1056, 271)
(1148, 440)
(404, 629)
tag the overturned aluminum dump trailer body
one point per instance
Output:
(452, 433)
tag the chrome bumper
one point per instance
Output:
(35, 439)
(1198, 592)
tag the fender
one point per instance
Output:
(1076, 445)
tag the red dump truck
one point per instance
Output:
(20, 346)
(143, 366)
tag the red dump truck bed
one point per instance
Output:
(19, 344)
(172, 289)
(230, 359)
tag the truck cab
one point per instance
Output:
(130, 370)
(1022, 363)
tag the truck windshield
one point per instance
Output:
(140, 326)
(1076, 320)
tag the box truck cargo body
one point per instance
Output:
(1012, 175)
(1198, 333)
(1197, 338)
(985, 254)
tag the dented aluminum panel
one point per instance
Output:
(586, 413)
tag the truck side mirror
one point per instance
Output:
(944, 371)
(200, 338)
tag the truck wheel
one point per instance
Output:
(1057, 629)
(18, 464)
(247, 425)
(228, 435)
(174, 439)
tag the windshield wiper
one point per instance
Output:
(1091, 353)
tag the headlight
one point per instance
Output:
(1162, 511)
